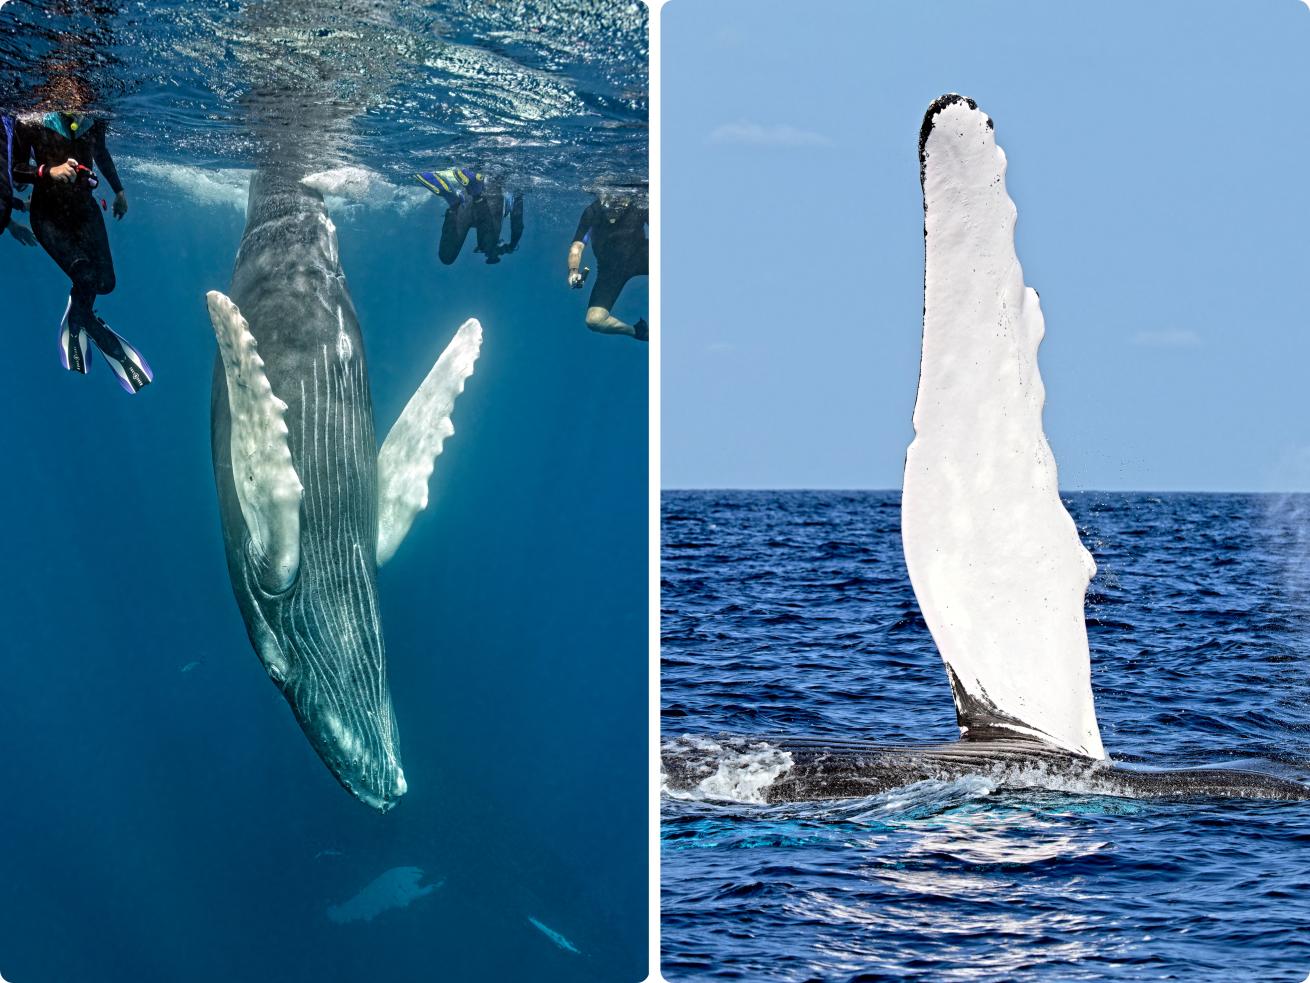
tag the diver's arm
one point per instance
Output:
(106, 164)
(579, 244)
(103, 160)
(26, 172)
(575, 260)
(33, 174)
(21, 166)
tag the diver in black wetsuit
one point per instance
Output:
(54, 153)
(474, 202)
(616, 227)
(9, 201)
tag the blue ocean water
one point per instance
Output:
(164, 819)
(791, 612)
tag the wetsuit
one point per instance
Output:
(6, 178)
(617, 235)
(486, 214)
(65, 217)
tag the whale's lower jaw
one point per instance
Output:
(365, 767)
(815, 769)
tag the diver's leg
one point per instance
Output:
(100, 274)
(54, 226)
(515, 223)
(604, 295)
(92, 265)
(599, 319)
(454, 230)
(92, 271)
(72, 232)
(488, 215)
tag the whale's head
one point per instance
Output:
(321, 643)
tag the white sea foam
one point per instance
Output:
(229, 187)
(224, 187)
(730, 774)
(345, 186)
(395, 888)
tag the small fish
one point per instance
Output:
(554, 936)
(327, 853)
(186, 668)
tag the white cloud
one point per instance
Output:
(1168, 338)
(767, 135)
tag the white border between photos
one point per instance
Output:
(653, 497)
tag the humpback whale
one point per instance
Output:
(309, 506)
(993, 556)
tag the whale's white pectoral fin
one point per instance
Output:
(995, 560)
(267, 485)
(408, 454)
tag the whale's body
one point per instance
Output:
(994, 558)
(807, 769)
(307, 512)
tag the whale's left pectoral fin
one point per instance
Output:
(267, 484)
(408, 454)
(995, 559)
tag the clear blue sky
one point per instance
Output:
(1160, 161)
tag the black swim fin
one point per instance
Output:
(129, 365)
(74, 351)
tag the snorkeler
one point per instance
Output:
(616, 227)
(474, 201)
(10, 202)
(54, 152)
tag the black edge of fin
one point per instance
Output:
(938, 104)
(980, 719)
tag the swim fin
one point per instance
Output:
(471, 180)
(438, 185)
(641, 330)
(129, 365)
(74, 352)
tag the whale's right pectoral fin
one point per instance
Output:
(267, 485)
(995, 560)
(408, 454)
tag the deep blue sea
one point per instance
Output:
(163, 819)
(791, 612)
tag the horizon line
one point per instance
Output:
(1063, 491)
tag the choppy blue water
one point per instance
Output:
(792, 612)
(163, 818)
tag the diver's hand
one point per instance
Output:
(64, 173)
(22, 233)
(120, 204)
(575, 279)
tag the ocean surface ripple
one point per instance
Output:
(552, 93)
(791, 612)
